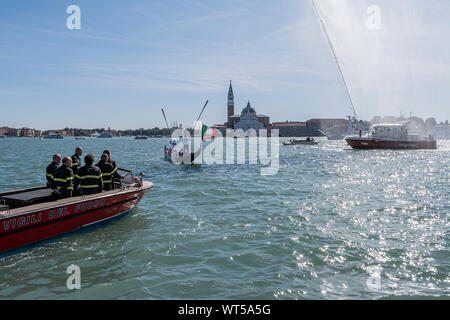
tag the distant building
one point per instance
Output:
(298, 129)
(4, 131)
(14, 132)
(441, 131)
(248, 119)
(26, 132)
(294, 129)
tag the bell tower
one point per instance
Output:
(230, 102)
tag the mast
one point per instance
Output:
(165, 119)
(322, 24)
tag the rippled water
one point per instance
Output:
(318, 229)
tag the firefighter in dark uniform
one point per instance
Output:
(64, 179)
(76, 160)
(116, 176)
(51, 170)
(108, 172)
(89, 177)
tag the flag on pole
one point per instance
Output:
(209, 133)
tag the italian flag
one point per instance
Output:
(209, 133)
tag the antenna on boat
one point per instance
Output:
(200, 114)
(322, 24)
(165, 118)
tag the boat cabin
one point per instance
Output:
(389, 131)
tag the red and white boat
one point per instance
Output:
(391, 136)
(28, 216)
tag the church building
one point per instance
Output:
(248, 119)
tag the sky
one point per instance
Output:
(131, 58)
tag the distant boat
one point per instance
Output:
(80, 138)
(293, 142)
(105, 135)
(2, 137)
(177, 148)
(53, 136)
(95, 135)
(391, 136)
(141, 138)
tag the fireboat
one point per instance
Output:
(31, 215)
(391, 136)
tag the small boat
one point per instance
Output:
(54, 136)
(292, 142)
(141, 138)
(2, 137)
(391, 136)
(105, 135)
(29, 215)
(175, 154)
(80, 138)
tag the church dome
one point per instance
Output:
(248, 109)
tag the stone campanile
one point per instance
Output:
(230, 102)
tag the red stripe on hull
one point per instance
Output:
(405, 145)
(25, 229)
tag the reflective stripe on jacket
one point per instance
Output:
(76, 163)
(50, 174)
(89, 178)
(63, 179)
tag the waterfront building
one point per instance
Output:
(295, 129)
(4, 131)
(27, 132)
(248, 119)
(441, 131)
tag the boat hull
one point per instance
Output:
(393, 144)
(18, 230)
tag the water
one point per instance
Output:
(316, 230)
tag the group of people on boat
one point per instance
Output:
(173, 146)
(72, 179)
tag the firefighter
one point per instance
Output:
(116, 176)
(76, 160)
(108, 172)
(89, 177)
(64, 179)
(51, 169)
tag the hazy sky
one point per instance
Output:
(130, 58)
